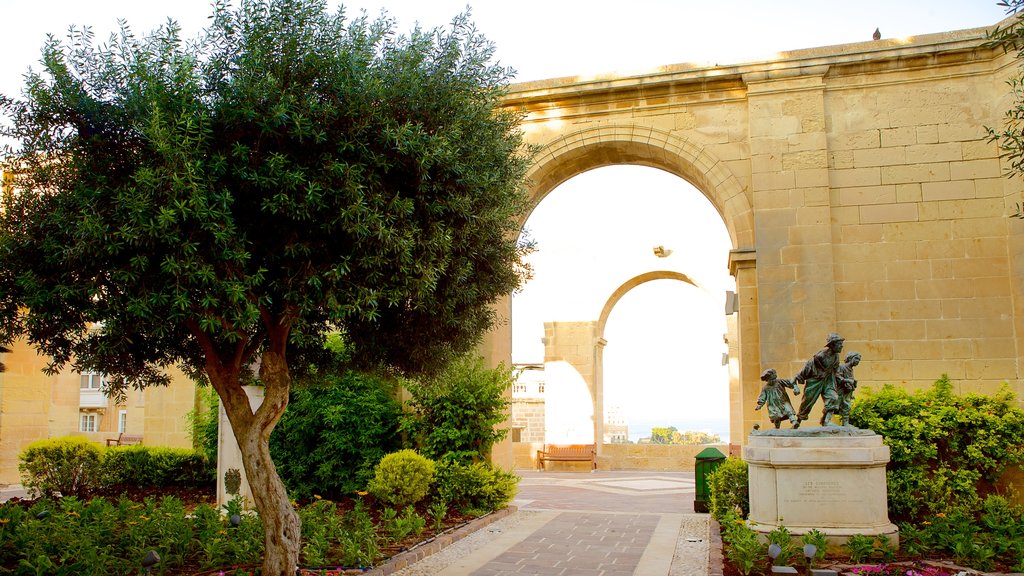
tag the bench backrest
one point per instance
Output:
(570, 449)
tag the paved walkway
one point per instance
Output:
(586, 524)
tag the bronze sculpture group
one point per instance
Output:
(823, 376)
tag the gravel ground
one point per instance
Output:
(691, 556)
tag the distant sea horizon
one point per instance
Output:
(642, 428)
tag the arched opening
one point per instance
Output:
(601, 235)
(663, 363)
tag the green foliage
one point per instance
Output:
(946, 450)
(788, 551)
(978, 540)
(400, 527)
(670, 435)
(729, 489)
(402, 478)
(886, 548)
(203, 422)
(742, 545)
(358, 540)
(453, 415)
(384, 164)
(70, 465)
(476, 486)
(321, 527)
(438, 511)
(819, 540)
(100, 537)
(216, 203)
(335, 431)
(860, 547)
(1011, 136)
(157, 466)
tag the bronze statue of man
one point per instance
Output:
(819, 378)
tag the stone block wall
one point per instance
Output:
(859, 190)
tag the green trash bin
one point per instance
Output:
(708, 459)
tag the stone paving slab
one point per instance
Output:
(599, 524)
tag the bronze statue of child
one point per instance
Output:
(773, 393)
(845, 385)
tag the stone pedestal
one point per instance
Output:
(830, 478)
(229, 455)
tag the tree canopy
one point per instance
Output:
(221, 204)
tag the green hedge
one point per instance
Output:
(74, 466)
(334, 432)
(729, 490)
(947, 451)
(70, 465)
(157, 466)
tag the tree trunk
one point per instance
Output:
(281, 524)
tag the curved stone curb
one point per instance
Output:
(409, 557)
(715, 559)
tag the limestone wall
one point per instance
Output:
(619, 457)
(24, 407)
(858, 188)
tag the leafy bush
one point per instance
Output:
(788, 551)
(402, 478)
(399, 527)
(946, 451)
(453, 415)
(70, 465)
(334, 432)
(203, 422)
(860, 548)
(819, 540)
(477, 486)
(729, 489)
(157, 466)
(742, 545)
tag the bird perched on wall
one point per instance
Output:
(877, 35)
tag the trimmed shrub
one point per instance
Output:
(947, 451)
(402, 478)
(729, 490)
(333, 434)
(453, 415)
(474, 487)
(70, 465)
(157, 466)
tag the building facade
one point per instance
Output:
(34, 406)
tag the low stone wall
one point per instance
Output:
(620, 457)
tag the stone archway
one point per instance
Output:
(582, 344)
(595, 147)
(861, 177)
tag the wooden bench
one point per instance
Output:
(124, 440)
(567, 453)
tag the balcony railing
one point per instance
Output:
(92, 399)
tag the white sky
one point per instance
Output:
(606, 221)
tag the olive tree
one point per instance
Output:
(221, 204)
